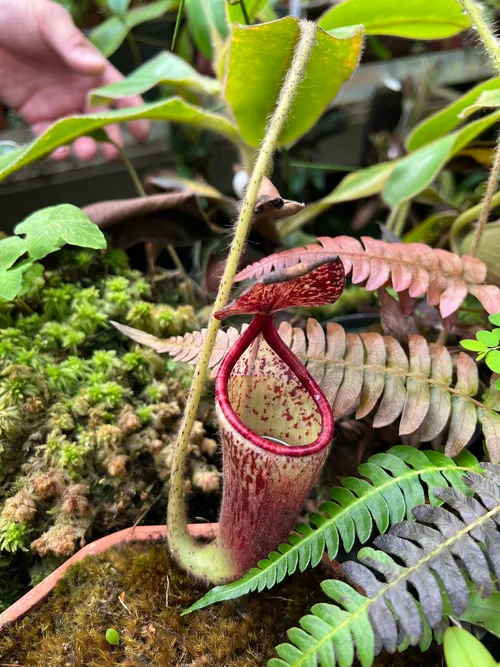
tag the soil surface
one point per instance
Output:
(137, 590)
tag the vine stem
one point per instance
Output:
(208, 561)
(492, 46)
(486, 203)
(490, 42)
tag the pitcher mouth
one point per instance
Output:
(264, 324)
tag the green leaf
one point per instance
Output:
(414, 173)
(110, 34)
(484, 613)
(473, 345)
(417, 170)
(487, 99)
(495, 319)
(112, 637)
(447, 119)
(362, 183)
(68, 129)
(461, 649)
(493, 361)
(418, 19)
(10, 283)
(119, 7)
(259, 57)
(11, 248)
(394, 488)
(207, 22)
(253, 7)
(488, 338)
(165, 68)
(46, 227)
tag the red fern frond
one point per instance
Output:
(413, 269)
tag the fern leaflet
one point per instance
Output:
(394, 488)
(442, 553)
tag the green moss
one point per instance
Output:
(82, 404)
(137, 590)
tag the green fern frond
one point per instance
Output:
(422, 571)
(395, 487)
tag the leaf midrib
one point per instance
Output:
(408, 571)
(393, 371)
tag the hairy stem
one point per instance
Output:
(208, 562)
(486, 203)
(492, 46)
(465, 218)
(490, 42)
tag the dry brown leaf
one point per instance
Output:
(172, 218)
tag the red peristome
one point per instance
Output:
(299, 285)
(262, 391)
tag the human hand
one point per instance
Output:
(47, 67)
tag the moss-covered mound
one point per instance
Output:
(87, 417)
(137, 590)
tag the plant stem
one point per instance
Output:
(486, 203)
(399, 224)
(142, 193)
(209, 562)
(467, 217)
(135, 50)
(130, 168)
(490, 42)
(492, 46)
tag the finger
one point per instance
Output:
(59, 154)
(85, 148)
(58, 29)
(139, 129)
(109, 151)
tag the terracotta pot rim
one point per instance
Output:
(40, 592)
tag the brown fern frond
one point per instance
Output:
(370, 373)
(413, 269)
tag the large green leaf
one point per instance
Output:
(447, 119)
(68, 129)
(253, 7)
(10, 283)
(487, 100)
(45, 229)
(207, 22)
(461, 649)
(11, 248)
(165, 68)
(259, 57)
(108, 36)
(362, 183)
(418, 169)
(415, 19)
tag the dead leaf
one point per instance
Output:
(392, 320)
(172, 218)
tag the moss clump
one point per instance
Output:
(138, 591)
(87, 418)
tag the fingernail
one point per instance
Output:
(89, 56)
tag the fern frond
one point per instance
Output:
(413, 269)
(372, 373)
(397, 482)
(441, 553)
